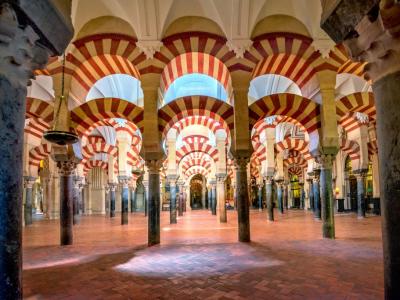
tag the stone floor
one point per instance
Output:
(200, 259)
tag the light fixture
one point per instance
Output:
(60, 133)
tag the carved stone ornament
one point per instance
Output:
(149, 48)
(19, 53)
(325, 161)
(154, 166)
(66, 168)
(378, 42)
(29, 181)
(240, 163)
(239, 46)
(221, 178)
(268, 179)
(124, 181)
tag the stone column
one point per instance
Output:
(146, 196)
(181, 198)
(360, 175)
(66, 170)
(221, 197)
(316, 194)
(279, 186)
(173, 199)
(20, 54)
(214, 197)
(112, 186)
(154, 202)
(259, 195)
(242, 198)
(29, 182)
(302, 196)
(327, 206)
(133, 198)
(124, 184)
(285, 195)
(75, 202)
(268, 193)
(310, 192)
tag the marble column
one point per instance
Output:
(259, 195)
(381, 30)
(268, 193)
(285, 195)
(279, 187)
(302, 196)
(214, 197)
(310, 192)
(221, 197)
(173, 199)
(124, 184)
(133, 199)
(66, 170)
(242, 198)
(316, 194)
(112, 186)
(146, 196)
(360, 175)
(29, 182)
(153, 204)
(181, 199)
(327, 207)
(209, 190)
(75, 202)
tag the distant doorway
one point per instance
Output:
(197, 192)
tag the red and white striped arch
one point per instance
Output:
(196, 163)
(39, 153)
(96, 56)
(350, 104)
(36, 127)
(89, 150)
(339, 55)
(303, 110)
(94, 139)
(189, 148)
(351, 148)
(39, 109)
(195, 62)
(93, 112)
(199, 42)
(195, 139)
(205, 121)
(296, 144)
(90, 164)
(295, 170)
(196, 170)
(182, 108)
(297, 159)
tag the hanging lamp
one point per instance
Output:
(60, 134)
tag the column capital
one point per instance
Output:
(268, 179)
(220, 178)
(360, 173)
(240, 162)
(154, 166)
(124, 181)
(172, 179)
(20, 54)
(377, 42)
(66, 167)
(112, 186)
(316, 175)
(325, 160)
(29, 181)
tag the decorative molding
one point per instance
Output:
(149, 48)
(239, 46)
(323, 46)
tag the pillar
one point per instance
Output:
(153, 204)
(75, 202)
(29, 182)
(124, 184)
(268, 193)
(112, 199)
(302, 196)
(316, 194)
(360, 176)
(327, 206)
(66, 169)
(285, 195)
(173, 199)
(242, 198)
(279, 187)
(310, 192)
(181, 198)
(209, 197)
(259, 195)
(133, 198)
(214, 197)
(221, 197)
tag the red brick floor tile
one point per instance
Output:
(199, 258)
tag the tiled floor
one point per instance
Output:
(200, 259)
